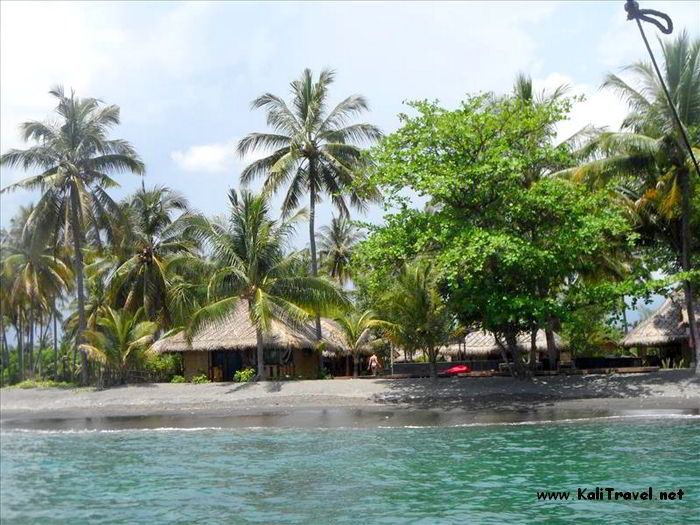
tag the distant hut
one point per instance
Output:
(481, 344)
(226, 346)
(666, 333)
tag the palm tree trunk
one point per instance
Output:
(312, 242)
(20, 345)
(31, 340)
(5, 353)
(355, 365)
(55, 345)
(686, 265)
(261, 354)
(347, 364)
(78, 265)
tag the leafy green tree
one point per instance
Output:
(337, 242)
(74, 155)
(251, 265)
(314, 151)
(505, 253)
(357, 328)
(648, 159)
(120, 340)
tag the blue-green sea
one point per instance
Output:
(428, 475)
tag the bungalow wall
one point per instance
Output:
(306, 363)
(195, 363)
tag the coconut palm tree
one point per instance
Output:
(419, 317)
(119, 341)
(648, 157)
(154, 245)
(357, 327)
(36, 275)
(251, 266)
(73, 156)
(336, 243)
(312, 150)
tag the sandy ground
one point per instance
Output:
(475, 399)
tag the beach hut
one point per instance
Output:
(481, 345)
(666, 333)
(226, 346)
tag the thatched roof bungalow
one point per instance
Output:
(481, 344)
(221, 348)
(667, 329)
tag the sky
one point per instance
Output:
(184, 73)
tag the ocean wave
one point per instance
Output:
(647, 415)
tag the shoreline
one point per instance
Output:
(360, 403)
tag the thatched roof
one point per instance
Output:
(236, 332)
(482, 343)
(668, 325)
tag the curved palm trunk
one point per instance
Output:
(686, 265)
(260, 354)
(78, 265)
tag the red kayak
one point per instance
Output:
(457, 369)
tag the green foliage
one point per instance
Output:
(200, 379)
(244, 376)
(162, 365)
(251, 265)
(507, 242)
(178, 379)
(45, 383)
(120, 340)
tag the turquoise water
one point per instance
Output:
(477, 474)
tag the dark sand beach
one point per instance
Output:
(360, 402)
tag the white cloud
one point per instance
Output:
(210, 158)
(600, 108)
(218, 157)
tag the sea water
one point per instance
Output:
(486, 473)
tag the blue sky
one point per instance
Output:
(185, 73)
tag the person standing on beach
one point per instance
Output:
(373, 364)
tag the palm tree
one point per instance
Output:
(419, 317)
(120, 340)
(153, 245)
(356, 327)
(648, 157)
(74, 156)
(314, 151)
(251, 266)
(35, 274)
(336, 245)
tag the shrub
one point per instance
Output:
(244, 376)
(31, 383)
(178, 379)
(201, 378)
